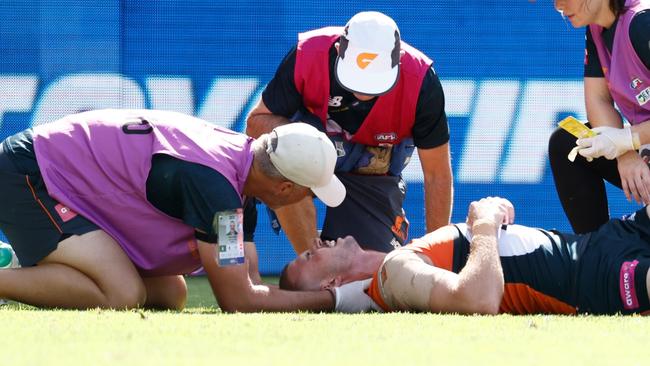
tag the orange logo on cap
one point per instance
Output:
(364, 59)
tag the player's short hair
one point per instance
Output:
(284, 283)
(261, 156)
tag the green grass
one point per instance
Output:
(202, 335)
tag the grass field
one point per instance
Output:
(202, 335)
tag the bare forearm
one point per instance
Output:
(235, 291)
(438, 198)
(261, 123)
(603, 115)
(299, 223)
(643, 129)
(599, 104)
(272, 299)
(250, 251)
(482, 276)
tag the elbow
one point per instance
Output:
(487, 302)
(489, 307)
(253, 128)
(491, 303)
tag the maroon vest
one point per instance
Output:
(391, 118)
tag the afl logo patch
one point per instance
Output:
(388, 137)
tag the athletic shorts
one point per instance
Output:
(613, 266)
(371, 212)
(33, 222)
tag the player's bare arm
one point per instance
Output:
(478, 288)
(236, 292)
(298, 221)
(438, 186)
(250, 252)
(599, 104)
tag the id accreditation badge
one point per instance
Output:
(230, 245)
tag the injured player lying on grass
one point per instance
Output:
(488, 265)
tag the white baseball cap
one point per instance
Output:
(369, 52)
(306, 156)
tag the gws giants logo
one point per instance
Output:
(364, 59)
(386, 138)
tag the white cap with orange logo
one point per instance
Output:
(306, 156)
(369, 52)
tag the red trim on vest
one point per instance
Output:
(392, 117)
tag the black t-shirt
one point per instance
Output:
(639, 36)
(429, 130)
(193, 193)
(190, 192)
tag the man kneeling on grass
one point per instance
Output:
(110, 208)
(488, 266)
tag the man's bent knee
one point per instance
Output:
(99, 257)
(560, 143)
(130, 296)
(167, 292)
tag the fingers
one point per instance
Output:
(585, 147)
(626, 189)
(588, 152)
(637, 188)
(635, 178)
(585, 142)
(497, 209)
(643, 191)
(317, 243)
(510, 212)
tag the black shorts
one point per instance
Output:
(33, 222)
(371, 212)
(612, 268)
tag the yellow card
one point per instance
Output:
(576, 128)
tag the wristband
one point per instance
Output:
(636, 140)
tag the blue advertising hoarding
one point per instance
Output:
(510, 71)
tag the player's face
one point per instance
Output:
(580, 12)
(319, 266)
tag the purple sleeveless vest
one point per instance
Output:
(97, 163)
(628, 79)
